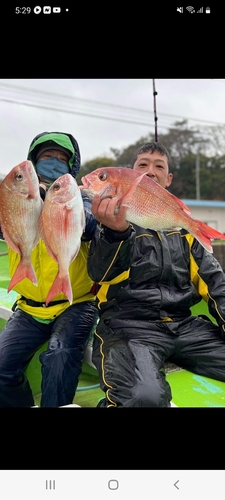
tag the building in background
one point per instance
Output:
(210, 212)
(213, 214)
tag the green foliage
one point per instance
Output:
(184, 144)
(126, 156)
(89, 166)
(185, 170)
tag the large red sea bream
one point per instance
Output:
(149, 205)
(20, 207)
(61, 224)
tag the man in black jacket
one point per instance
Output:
(149, 280)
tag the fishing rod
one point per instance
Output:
(155, 114)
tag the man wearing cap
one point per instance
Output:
(53, 155)
(66, 327)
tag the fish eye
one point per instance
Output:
(102, 177)
(19, 177)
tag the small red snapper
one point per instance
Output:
(20, 207)
(61, 224)
(149, 205)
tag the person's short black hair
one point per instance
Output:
(152, 147)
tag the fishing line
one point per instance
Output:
(155, 114)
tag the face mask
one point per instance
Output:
(52, 168)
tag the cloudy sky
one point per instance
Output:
(101, 113)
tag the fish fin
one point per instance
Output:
(129, 192)
(41, 225)
(88, 192)
(181, 203)
(108, 192)
(70, 204)
(23, 270)
(10, 242)
(83, 221)
(61, 284)
(171, 228)
(204, 234)
(75, 254)
(41, 228)
(44, 238)
(50, 251)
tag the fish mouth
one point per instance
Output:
(85, 183)
(85, 188)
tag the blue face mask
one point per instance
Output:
(52, 168)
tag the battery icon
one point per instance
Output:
(207, 10)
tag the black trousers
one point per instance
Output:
(130, 355)
(61, 363)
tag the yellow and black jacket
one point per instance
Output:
(46, 270)
(154, 275)
(31, 298)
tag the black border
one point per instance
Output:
(96, 41)
(108, 439)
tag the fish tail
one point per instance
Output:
(204, 234)
(24, 270)
(60, 285)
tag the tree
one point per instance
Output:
(184, 143)
(89, 166)
(125, 157)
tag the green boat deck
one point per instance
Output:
(188, 389)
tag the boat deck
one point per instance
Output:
(188, 389)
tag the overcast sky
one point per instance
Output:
(101, 113)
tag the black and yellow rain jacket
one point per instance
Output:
(32, 298)
(144, 274)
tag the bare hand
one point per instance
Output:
(106, 212)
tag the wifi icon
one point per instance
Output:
(190, 9)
